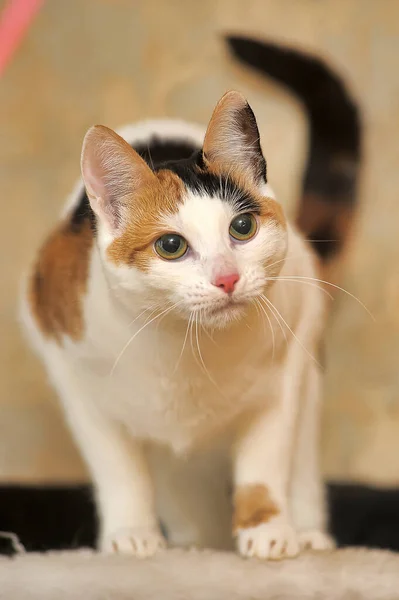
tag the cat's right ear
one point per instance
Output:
(112, 173)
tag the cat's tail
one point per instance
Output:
(326, 210)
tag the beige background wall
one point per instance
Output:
(115, 61)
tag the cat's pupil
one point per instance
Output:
(171, 243)
(242, 224)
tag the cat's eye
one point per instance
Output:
(243, 227)
(171, 246)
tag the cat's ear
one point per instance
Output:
(112, 173)
(232, 139)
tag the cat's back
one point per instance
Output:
(58, 280)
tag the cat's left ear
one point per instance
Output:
(232, 139)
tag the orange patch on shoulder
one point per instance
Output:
(144, 221)
(252, 506)
(59, 281)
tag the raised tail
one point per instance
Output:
(326, 211)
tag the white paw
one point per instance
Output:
(315, 540)
(138, 542)
(274, 540)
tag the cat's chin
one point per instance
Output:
(222, 317)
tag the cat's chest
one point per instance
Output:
(176, 395)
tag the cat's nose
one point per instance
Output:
(227, 283)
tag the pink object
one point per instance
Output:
(227, 283)
(15, 19)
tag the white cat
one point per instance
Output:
(185, 362)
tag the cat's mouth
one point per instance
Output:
(227, 307)
(220, 314)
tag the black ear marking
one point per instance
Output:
(250, 131)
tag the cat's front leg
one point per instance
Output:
(125, 501)
(121, 478)
(307, 496)
(262, 457)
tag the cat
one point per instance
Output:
(187, 370)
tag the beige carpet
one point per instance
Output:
(111, 62)
(178, 575)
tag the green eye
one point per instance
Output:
(243, 227)
(171, 246)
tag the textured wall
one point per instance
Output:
(115, 61)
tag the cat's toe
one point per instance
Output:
(315, 540)
(135, 541)
(272, 541)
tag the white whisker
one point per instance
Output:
(332, 285)
(184, 343)
(205, 330)
(211, 379)
(293, 280)
(153, 307)
(137, 333)
(293, 334)
(191, 341)
(272, 310)
(261, 307)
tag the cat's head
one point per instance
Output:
(198, 233)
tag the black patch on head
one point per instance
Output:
(184, 158)
(156, 151)
(194, 174)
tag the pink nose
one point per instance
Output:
(227, 283)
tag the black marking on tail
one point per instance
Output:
(329, 185)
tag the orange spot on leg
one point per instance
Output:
(252, 506)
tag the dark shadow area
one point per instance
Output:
(59, 518)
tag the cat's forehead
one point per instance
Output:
(188, 199)
(202, 219)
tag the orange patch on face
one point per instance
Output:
(59, 281)
(144, 221)
(252, 506)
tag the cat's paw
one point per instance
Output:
(314, 539)
(274, 541)
(136, 541)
